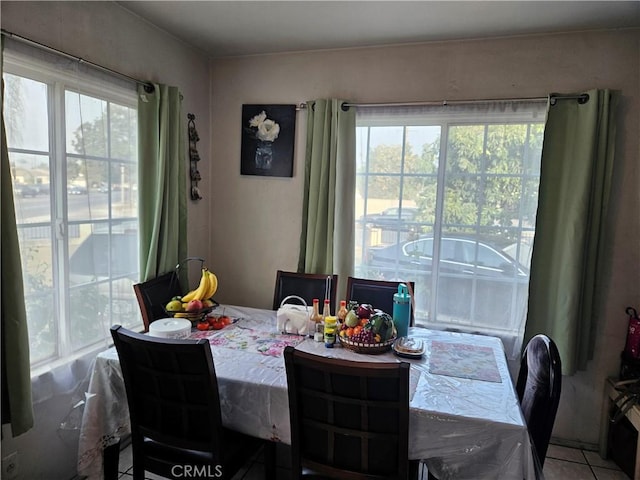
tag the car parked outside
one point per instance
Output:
(25, 190)
(76, 190)
(476, 280)
(390, 217)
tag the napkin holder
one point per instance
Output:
(291, 318)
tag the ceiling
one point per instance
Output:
(230, 28)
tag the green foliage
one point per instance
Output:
(489, 174)
(95, 139)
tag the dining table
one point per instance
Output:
(465, 420)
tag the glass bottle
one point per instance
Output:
(326, 311)
(342, 311)
(315, 318)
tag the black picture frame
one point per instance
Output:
(261, 154)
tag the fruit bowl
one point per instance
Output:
(369, 348)
(194, 315)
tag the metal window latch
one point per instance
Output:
(60, 229)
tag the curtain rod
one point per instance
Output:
(148, 86)
(552, 98)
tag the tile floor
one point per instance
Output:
(562, 463)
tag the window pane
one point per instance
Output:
(385, 151)
(466, 242)
(86, 125)
(37, 275)
(124, 190)
(124, 132)
(31, 188)
(98, 252)
(25, 113)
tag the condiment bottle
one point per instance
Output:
(330, 328)
(315, 318)
(327, 308)
(342, 311)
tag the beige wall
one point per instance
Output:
(257, 219)
(106, 34)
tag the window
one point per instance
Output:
(447, 197)
(72, 142)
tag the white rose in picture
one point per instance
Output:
(258, 119)
(268, 130)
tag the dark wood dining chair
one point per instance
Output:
(378, 293)
(154, 294)
(174, 408)
(538, 387)
(348, 419)
(305, 285)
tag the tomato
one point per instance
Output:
(218, 325)
(212, 320)
(202, 326)
(225, 320)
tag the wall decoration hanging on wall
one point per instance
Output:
(194, 157)
(268, 134)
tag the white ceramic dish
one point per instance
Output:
(170, 328)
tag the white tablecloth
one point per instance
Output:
(465, 428)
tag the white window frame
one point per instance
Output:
(58, 81)
(442, 118)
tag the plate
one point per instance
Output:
(408, 347)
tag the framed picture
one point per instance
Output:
(268, 135)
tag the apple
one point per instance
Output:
(351, 320)
(194, 306)
(207, 303)
(174, 306)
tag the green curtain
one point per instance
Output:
(327, 240)
(16, 369)
(162, 192)
(566, 265)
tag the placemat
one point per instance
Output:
(250, 340)
(464, 361)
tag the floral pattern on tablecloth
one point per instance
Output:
(454, 360)
(251, 340)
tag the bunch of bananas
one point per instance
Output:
(206, 288)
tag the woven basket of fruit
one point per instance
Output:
(368, 348)
(365, 330)
(197, 303)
